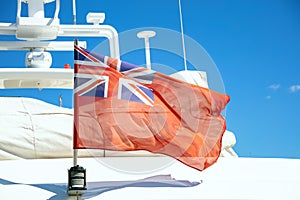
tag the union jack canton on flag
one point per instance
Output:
(87, 84)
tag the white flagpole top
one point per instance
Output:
(146, 34)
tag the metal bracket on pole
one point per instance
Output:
(76, 180)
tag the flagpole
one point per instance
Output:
(75, 151)
(75, 155)
(76, 174)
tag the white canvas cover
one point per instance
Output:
(34, 129)
(31, 128)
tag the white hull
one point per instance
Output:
(229, 178)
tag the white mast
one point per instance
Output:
(74, 12)
(146, 35)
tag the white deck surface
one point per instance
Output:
(117, 178)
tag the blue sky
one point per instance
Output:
(255, 46)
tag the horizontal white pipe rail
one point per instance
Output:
(49, 46)
(106, 31)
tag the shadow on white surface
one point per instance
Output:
(97, 188)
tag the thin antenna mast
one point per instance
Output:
(74, 12)
(182, 35)
(60, 100)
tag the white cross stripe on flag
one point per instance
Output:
(133, 91)
(90, 63)
(86, 83)
(141, 74)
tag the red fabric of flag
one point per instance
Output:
(119, 106)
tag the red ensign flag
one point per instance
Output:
(123, 107)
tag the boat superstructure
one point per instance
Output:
(37, 35)
(36, 137)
